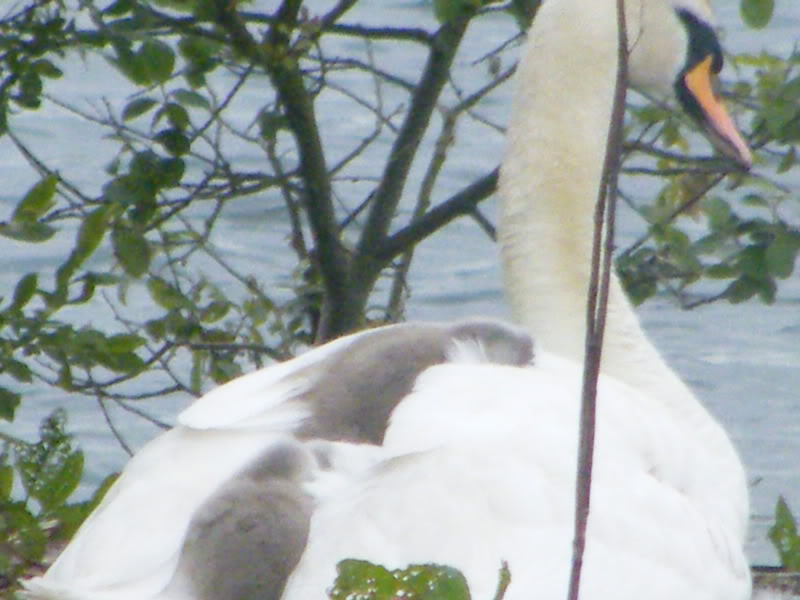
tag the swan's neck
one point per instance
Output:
(549, 185)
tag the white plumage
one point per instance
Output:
(496, 483)
(283, 472)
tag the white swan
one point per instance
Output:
(261, 480)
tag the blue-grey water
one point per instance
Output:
(742, 360)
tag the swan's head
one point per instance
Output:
(675, 51)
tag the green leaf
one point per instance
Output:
(779, 114)
(767, 290)
(3, 118)
(9, 401)
(170, 171)
(123, 362)
(130, 65)
(118, 8)
(65, 379)
(24, 231)
(24, 290)
(165, 294)
(755, 200)
(741, 289)
(523, 11)
(173, 141)
(721, 271)
(177, 115)
(131, 249)
(718, 212)
(195, 76)
(791, 91)
(223, 369)
(214, 311)
(137, 107)
(363, 580)
(788, 161)
(180, 5)
(143, 164)
(45, 68)
(6, 482)
(159, 59)
(128, 190)
(198, 50)
(69, 518)
(50, 469)
(150, 171)
(366, 581)
(90, 234)
(23, 532)
(752, 261)
(17, 369)
(62, 481)
(37, 201)
(784, 537)
(198, 368)
(757, 13)
(30, 90)
(101, 491)
(191, 98)
(124, 342)
(780, 256)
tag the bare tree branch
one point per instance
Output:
(461, 203)
(423, 103)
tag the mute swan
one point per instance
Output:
(457, 444)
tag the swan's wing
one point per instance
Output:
(248, 401)
(131, 545)
(497, 483)
(353, 383)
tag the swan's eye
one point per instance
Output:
(703, 42)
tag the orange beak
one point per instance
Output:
(715, 120)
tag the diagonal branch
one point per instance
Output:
(434, 77)
(462, 203)
(282, 66)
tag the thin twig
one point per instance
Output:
(462, 202)
(597, 305)
(503, 582)
(700, 193)
(237, 347)
(112, 427)
(395, 307)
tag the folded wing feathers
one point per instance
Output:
(233, 427)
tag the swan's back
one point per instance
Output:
(497, 483)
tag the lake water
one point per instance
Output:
(742, 360)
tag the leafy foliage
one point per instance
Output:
(784, 536)
(757, 13)
(362, 580)
(36, 482)
(746, 244)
